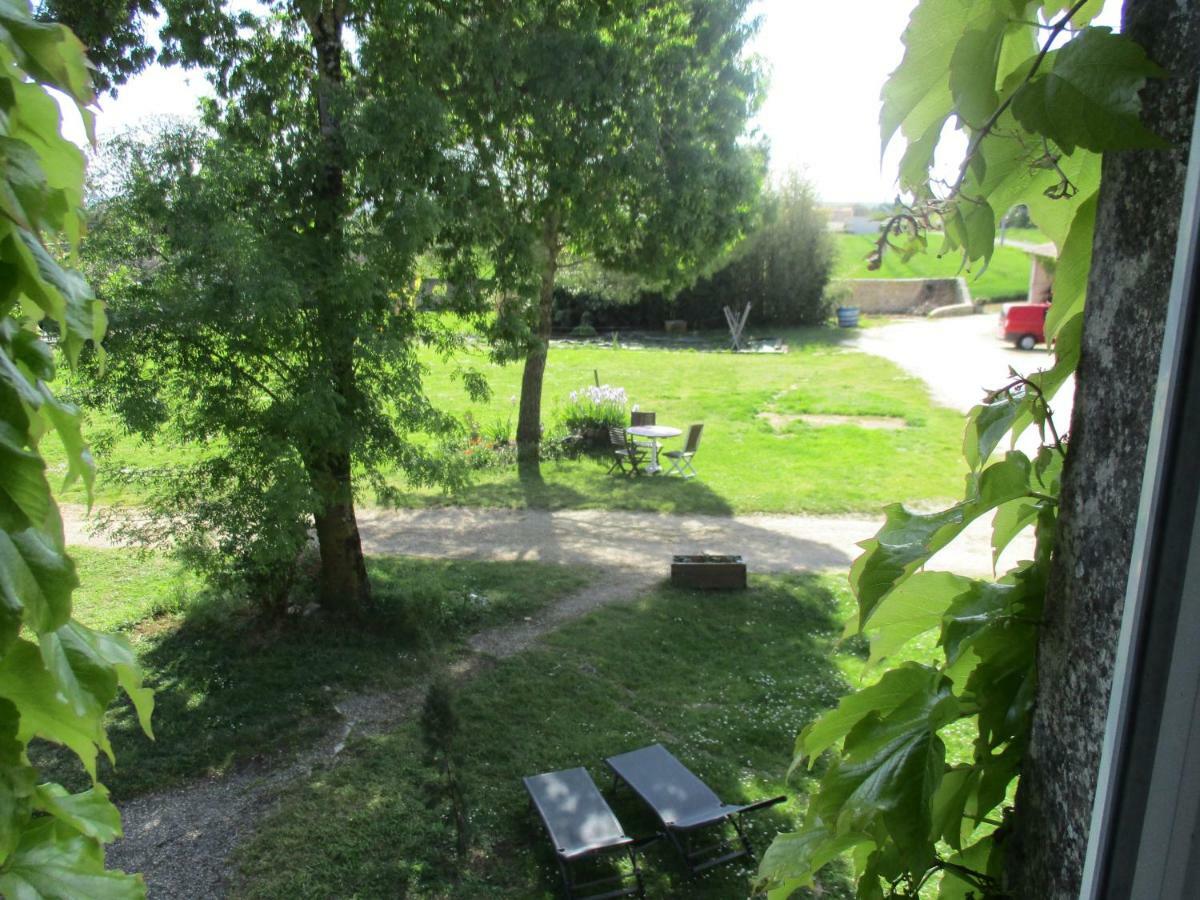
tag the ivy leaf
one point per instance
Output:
(23, 476)
(52, 861)
(1010, 520)
(897, 686)
(950, 801)
(913, 608)
(1089, 98)
(793, 859)
(890, 768)
(973, 68)
(902, 545)
(26, 683)
(907, 540)
(64, 418)
(987, 424)
(89, 812)
(1071, 273)
(917, 94)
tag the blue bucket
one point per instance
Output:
(847, 316)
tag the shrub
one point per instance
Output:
(591, 411)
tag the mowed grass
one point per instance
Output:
(1007, 275)
(724, 680)
(231, 690)
(746, 463)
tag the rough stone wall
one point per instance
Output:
(905, 295)
(1138, 219)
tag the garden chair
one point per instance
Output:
(684, 804)
(625, 453)
(681, 460)
(581, 825)
(642, 418)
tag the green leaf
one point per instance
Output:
(917, 94)
(793, 859)
(25, 682)
(89, 812)
(890, 769)
(1089, 98)
(52, 862)
(973, 72)
(913, 608)
(896, 687)
(902, 545)
(65, 420)
(1010, 520)
(949, 804)
(987, 424)
(1071, 272)
(23, 476)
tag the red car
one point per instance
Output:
(1024, 324)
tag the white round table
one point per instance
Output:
(655, 433)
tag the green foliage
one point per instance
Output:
(594, 409)
(57, 677)
(262, 274)
(1036, 117)
(782, 266)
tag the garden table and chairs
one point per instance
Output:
(655, 433)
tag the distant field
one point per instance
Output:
(1007, 276)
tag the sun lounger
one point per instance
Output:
(684, 804)
(581, 825)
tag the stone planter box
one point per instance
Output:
(709, 572)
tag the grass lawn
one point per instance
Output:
(744, 460)
(723, 680)
(746, 463)
(230, 691)
(1006, 276)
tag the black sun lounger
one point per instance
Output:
(581, 825)
(684, 804)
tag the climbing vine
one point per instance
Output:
(56, 676)
(1040, 94)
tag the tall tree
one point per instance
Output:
(614, 132)
(1137, 223)
(269, 313)
(1052, 96)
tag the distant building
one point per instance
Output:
(1042, 260)
(850, 220)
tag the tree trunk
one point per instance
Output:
(1136, 229)
(529, 417)
(343, 581)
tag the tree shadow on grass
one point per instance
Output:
(583, 483)
(725, 681)
(234, 690)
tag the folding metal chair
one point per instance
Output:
(681, 460)
(581, 825)
(625, 453)
(684, 804)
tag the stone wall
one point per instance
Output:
(916, 296)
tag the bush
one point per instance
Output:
(591, 411)
(781, 267)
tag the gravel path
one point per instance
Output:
(182, 839)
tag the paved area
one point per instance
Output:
(961, 358)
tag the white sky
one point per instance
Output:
(827, 60)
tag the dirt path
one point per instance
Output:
(183, 839)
